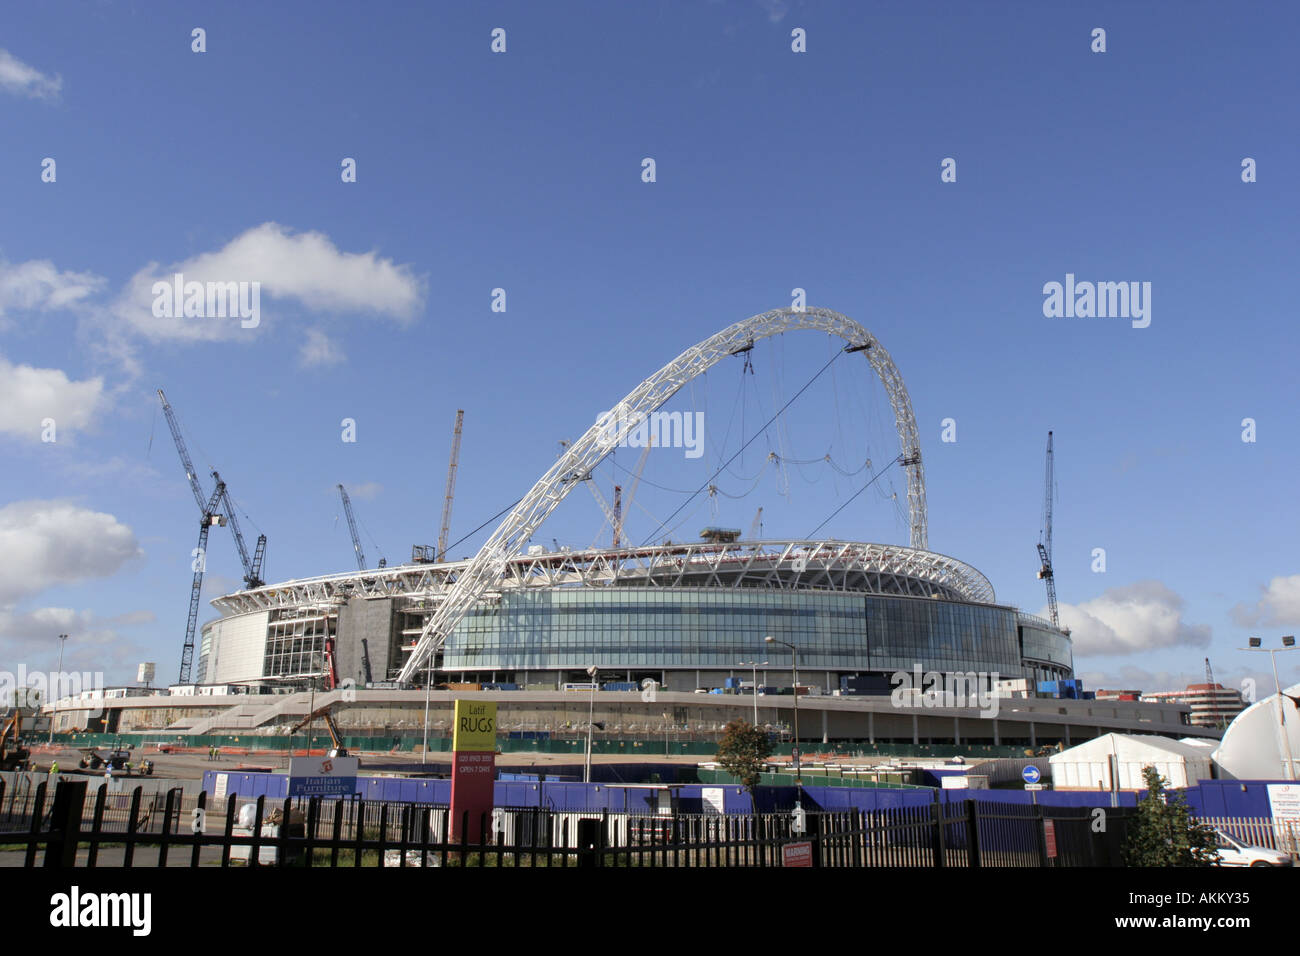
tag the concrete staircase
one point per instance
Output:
(288, 708)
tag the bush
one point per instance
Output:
(1164, 832)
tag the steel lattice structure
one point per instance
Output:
(486, 569)
(819, 565)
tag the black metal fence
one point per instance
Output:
(77, 828)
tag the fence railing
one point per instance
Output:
(75, 827)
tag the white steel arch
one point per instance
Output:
(487, 567)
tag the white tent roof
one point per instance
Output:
(1254, 746)
(1089, 766)
(1130, 747)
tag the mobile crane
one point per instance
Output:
(16, 757)
(336, 739)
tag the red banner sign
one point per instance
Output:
(796, 854)
(473, 775)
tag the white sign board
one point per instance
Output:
(219, 790)
(1284, 803)
(323, 776)
(714, 799)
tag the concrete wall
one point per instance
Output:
(369, 618)
(238, 648)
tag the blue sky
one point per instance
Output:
(774, 170)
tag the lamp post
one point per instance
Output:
(1288, 644)
(754, 684)
(63, 639)
(428, 682)
(592, 671)
(794, 673)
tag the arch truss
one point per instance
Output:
(484, 572)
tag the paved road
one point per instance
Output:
(114, 856)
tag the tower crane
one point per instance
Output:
(451, 486)
(352, 527)
(208, 517)
(1046, 574)
(610, 515)
(618, 512)
(1210, 689)
(636, 481)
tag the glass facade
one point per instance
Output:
(295, 645)
(638, 628)
(941, 635)
(1040, 644)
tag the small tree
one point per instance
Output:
(742, 751)
(1165, 833)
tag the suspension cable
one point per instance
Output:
(882, 471)
(750, 441)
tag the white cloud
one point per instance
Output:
(1279, 605)
(38, 285)
(95, 643)
(366, 491)
(22, 80)
(28, 395)
(1147, 681)
(776, 9)
(48, 543)
(319, 351)
(306, 267)
(1142, 616)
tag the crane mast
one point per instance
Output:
(1210, 689)
(352, 527)
(622, 512)
(1045, 574)
(618, 512)
(451, 486)
(210, 518)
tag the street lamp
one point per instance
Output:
(428, 682)
(592, 671)
(754, 684)
(63, 639)
(794, 672)
(1288, 644)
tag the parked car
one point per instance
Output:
(1232, 852)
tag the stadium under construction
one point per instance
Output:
(660, 628)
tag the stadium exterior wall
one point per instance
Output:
(686, 637)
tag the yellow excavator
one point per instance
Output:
(16, 757)
(337, 750)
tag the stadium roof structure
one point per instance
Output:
(822, 565)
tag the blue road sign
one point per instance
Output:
(1031, 774)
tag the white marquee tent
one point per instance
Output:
(1088, 766)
